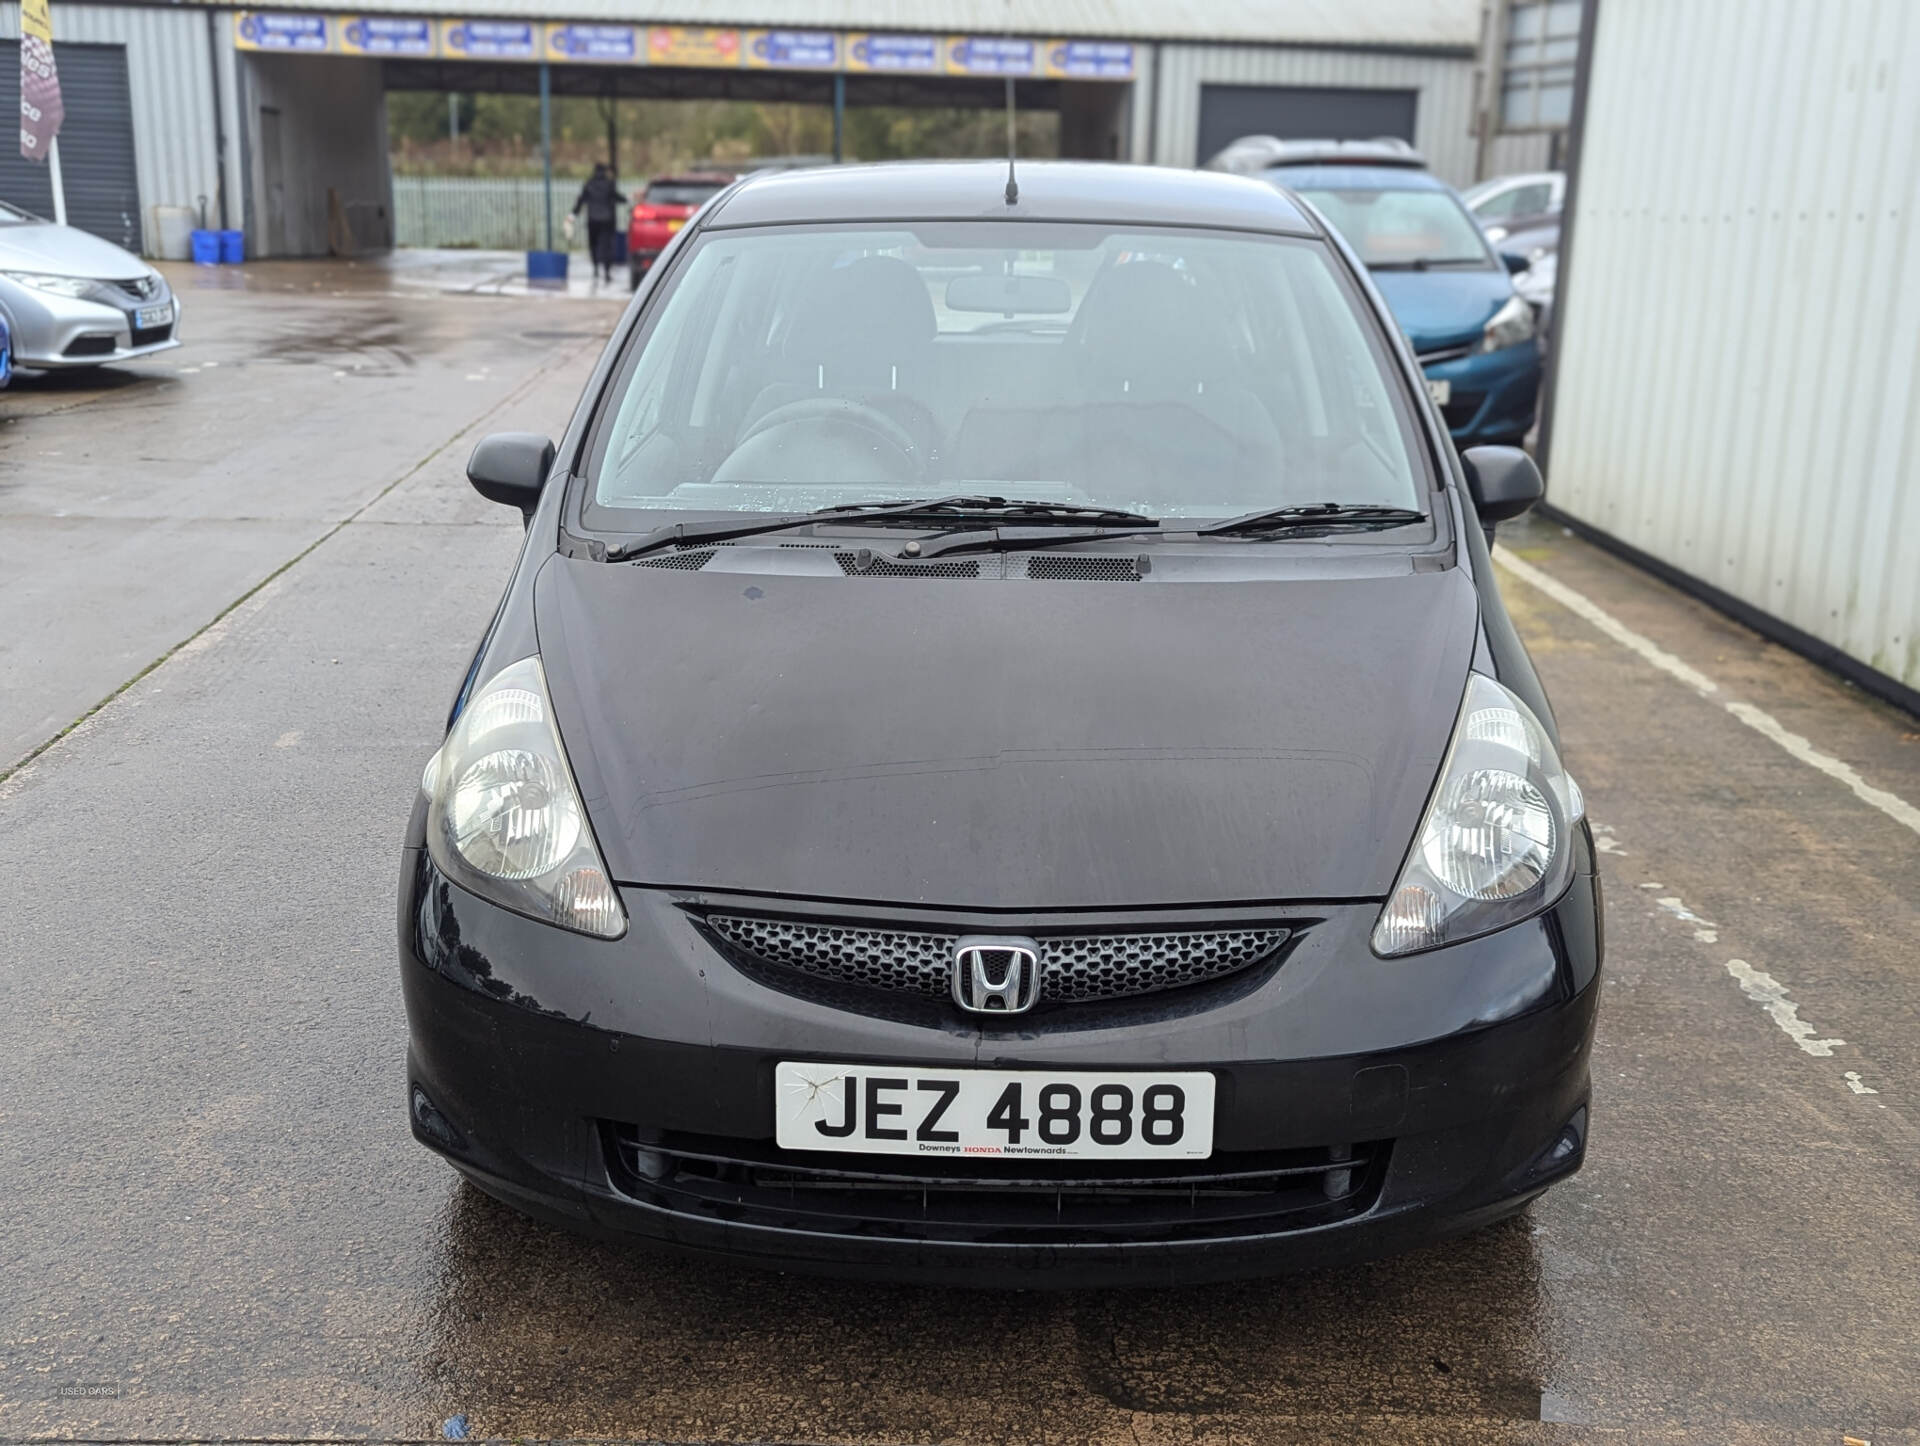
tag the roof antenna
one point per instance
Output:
(1013, 186)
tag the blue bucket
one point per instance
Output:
(547, 268)
(233, 247)
(206, 248)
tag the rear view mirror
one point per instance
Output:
(511, 467)
(1502, 481)
(1010, 295)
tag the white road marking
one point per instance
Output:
(1854, 1084)
(1671, 903)
(1758, 719)
(1763, 989)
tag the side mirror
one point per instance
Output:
(1502, 481)
(511, 467)
(1515, 262)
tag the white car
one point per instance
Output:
(1508, 204)
(73, 300)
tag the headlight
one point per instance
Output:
(505, 819)
(1512, 323)
(1496, 844)
(58, 285)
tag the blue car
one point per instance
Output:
(6, 353)
(1451, 293)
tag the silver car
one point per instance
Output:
(73, 300)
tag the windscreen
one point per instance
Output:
(1391, 228)
(1173, 373)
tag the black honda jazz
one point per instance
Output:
(1002, 761)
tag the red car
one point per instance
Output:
(663, 210)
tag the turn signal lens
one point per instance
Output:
(505, 819)
(1495, 845)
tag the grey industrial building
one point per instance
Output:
(274, 121)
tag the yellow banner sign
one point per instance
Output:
(707, 45)
(36, 20)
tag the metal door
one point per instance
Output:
(1302, 113)
(96, 143)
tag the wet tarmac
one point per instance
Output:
(217, 1226)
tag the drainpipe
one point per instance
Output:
(546, 143)
(219, 116)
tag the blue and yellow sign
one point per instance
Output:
(868, 53)
(489, 39)
(793, 50)
(295, 34)
(992, 55)
(386, 35)
(712, 47)
(594, 44)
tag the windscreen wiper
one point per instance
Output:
(1014, 539)
(1313, 514)
(966, 506)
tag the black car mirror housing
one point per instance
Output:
(511, 467)
(1515, 261)
(1502, 481)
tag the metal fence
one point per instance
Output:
(495, 213)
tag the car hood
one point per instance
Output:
(1001, 745)
(65, 251)
(1440, 309)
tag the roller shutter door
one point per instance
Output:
(1302, 113)
(96, 143)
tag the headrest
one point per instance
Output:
(873, 312)
(1144, 323)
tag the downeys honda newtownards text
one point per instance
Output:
(1002, 761)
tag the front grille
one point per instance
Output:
(149, 335)
(141, 288)
(1083, 569)
(1075, 968)
(1017, 1202)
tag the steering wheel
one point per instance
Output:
(842, 410)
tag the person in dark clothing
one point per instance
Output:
(598, 198)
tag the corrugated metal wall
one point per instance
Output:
(1445, 84)
(168, 65)
(1739, 389)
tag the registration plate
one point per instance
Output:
(148, 316)
(1440, 389)
(1072, 1114)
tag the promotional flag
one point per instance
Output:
(41, 110)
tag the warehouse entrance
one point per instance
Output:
(317, 88)
(467, 163)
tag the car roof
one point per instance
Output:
(976, 191)
(1353, 178)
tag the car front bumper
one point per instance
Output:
(53, 332)
(1493, 393)
(625, 1088)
